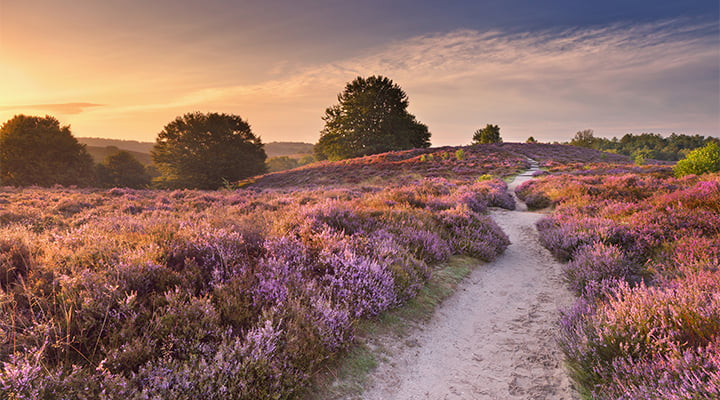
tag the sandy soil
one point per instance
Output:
(494, 338)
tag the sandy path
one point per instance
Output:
(494, 338)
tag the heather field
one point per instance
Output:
(643, 255)
(242, 294)
(245, 293)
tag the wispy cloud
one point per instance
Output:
(659, 77)
(60, 108)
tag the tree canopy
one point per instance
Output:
(645, 145)
(203, 151)
(38, 151)
(585, 138)
(122, 169)
(371, 117)
(489, 134)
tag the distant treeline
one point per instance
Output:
(646, 145)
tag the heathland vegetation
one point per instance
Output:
(643, 253)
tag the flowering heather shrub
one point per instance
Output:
(496, 192)
(643, 252)
(643, 330)
(598, 262)
(472, 234)
(534, 199)
(145, 294)
(563, 235)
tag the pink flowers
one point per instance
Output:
(643, 256)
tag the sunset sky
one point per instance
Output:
(124, 69)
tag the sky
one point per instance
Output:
(547, 69)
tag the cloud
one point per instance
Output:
(658, 77)
(60, 108)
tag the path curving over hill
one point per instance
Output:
(494, 338)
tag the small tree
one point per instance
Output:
(371, 117)
(203, 151)
(38, 151)
(699, 161)
(489, 134)
(122, 169)
(531, 140)
(585, 138)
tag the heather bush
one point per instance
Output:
(640, 329)
(473, 235)
(597, 262)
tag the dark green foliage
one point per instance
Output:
(281, 163)
(700, 161)
(308, 159)
(99, 154)
(644, 146)
(38, 151)
(585, 138)
(489, 134)
(203, 151)
(370, 118)
(531, 140)
(122, 169)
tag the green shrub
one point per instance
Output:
(699, 161)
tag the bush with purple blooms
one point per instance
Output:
(644, 257)
(142, 294)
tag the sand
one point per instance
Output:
(495, 337)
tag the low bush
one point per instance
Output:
(699, 161)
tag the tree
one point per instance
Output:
(489, 134)
(585, 138)
(371, 117)
(122, 169)
(700, 161)
(38, 151)
(531, 140)
(203, 151)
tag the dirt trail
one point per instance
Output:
(494, 338)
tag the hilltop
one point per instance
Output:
(460, 162)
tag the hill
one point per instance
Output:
(100, 153)
(129, 145)
(459, 163)
(278, 149)
(141, 150)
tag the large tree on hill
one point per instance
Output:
(371, 117)
(203, 151)
(38, 151)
